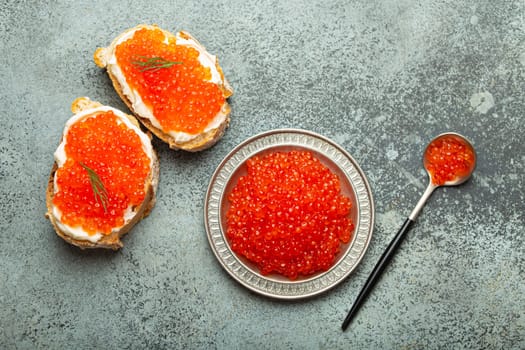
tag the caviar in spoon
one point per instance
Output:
(449, 160)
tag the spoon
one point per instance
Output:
(441, 156)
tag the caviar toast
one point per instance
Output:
(171, 83)
(104, 178)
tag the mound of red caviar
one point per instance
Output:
(448, 158)
(287, 214)
(114, 152)
(180, 94)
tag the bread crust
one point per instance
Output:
(113, 240)
(201, 141)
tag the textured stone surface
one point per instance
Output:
(381, 78)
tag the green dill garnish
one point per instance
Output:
(153, 63)
(99, 190)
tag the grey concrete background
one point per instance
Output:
(381, 78)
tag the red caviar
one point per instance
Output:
(448, 158)
(111, 149)
(287, 214)
(180, 96)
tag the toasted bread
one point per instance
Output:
(84, 108)
(105, 58)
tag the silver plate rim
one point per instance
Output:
(264, 285)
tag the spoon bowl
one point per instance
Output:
(469, 149)
(466, 157)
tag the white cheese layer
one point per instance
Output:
(205, 58)
(60, 158)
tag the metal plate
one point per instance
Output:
(353, 184)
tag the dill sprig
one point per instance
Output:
(153, 63)
(100, 192)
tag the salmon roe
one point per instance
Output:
(287, 214)
(448, 158)
(114, 152)
(180, 96)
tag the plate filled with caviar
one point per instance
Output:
(289, 213)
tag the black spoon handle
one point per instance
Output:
(376, 273)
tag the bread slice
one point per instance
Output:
(104, 58)
(111, 240)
